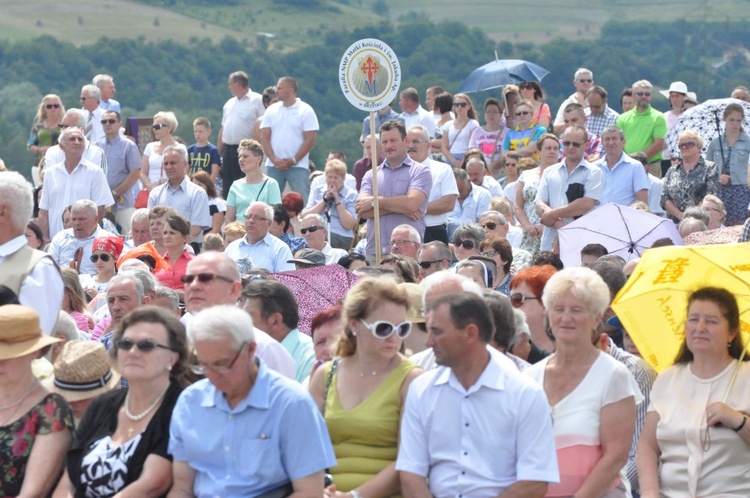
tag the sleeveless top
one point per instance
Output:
(365, 438)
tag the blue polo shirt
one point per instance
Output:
(622, 182)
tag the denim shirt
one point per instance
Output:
(738, 158)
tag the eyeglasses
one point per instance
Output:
(108, 121)
(252, 217)
(220, 367)
(158, 126)
(490, 254)
(523, 113)
(460, 104)
(63, 126)
(490, 225)
(383, 329)
(204, 278)
(686, 145)
(144, 345)
(585, 80)
(52, 106)
(83, 98)
(401, 242)
(643, 94)
(517, 299)
(568, 143)
(311, 229)
(74, 139)
(95, 257)
(466, 244)
(427, 264)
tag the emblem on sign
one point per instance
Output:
(369, 74)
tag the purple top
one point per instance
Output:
(409, 175)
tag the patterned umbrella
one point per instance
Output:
(316, 289)
(702, 118)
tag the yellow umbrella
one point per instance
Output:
(652, 305)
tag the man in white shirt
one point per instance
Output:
(583, 80)
(93, 153)
(413, 113)
(471, 202)
(475, 404)
(444, 191)
(31, 274)
(85, 228)
(288, 133)
(314, 231)
(90, 99)
(477, 170)
(69, 181)
(237, 122)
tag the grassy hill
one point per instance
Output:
(288, 27)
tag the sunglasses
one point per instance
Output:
(466, 244)
(383, 329)
(585, 80)
(105, 257)
(204, 278)
(460, 104)
(517, 299)
(427, 264)
(158, 126)
(108, 121)
(523, 113)
(311, 229)
(52, 106)
(490, 225)
(686, 145)
(219, 367)
(144, 345)
(643, 94)
(568, 143)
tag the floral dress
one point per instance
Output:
(51, 414)
(688, 188)
(530, 180)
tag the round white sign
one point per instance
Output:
(369, 74)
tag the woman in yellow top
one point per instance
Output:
(363, 398)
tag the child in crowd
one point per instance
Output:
(203, 155)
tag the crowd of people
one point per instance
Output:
(168, 325)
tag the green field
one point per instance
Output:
(286, 27)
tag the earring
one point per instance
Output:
(169, 368)
(354, 333)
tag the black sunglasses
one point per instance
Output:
(466, 244)
(52, 106)
(427, 264)
(95, 257)
(108, 121)
(491, 225)
(311, 229)
(204, 278)
(144, 345)
(158, 126)
(517, 299)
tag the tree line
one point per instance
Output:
(191, 79)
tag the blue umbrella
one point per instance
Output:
(499, 73)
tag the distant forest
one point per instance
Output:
(191, 79)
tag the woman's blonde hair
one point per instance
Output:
(336, 167)
(361, 299)
(73, 289)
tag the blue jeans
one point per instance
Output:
(298, 178)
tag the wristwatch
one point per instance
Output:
(372, 203)
(355, 493)
(294, 161)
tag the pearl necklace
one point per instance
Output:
(23, 396)
(140, 416)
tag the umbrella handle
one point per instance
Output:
(736, 370)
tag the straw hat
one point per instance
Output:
(82, 371)
(414, 313)
(20, 333)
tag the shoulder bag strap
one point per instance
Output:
(329, 381)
